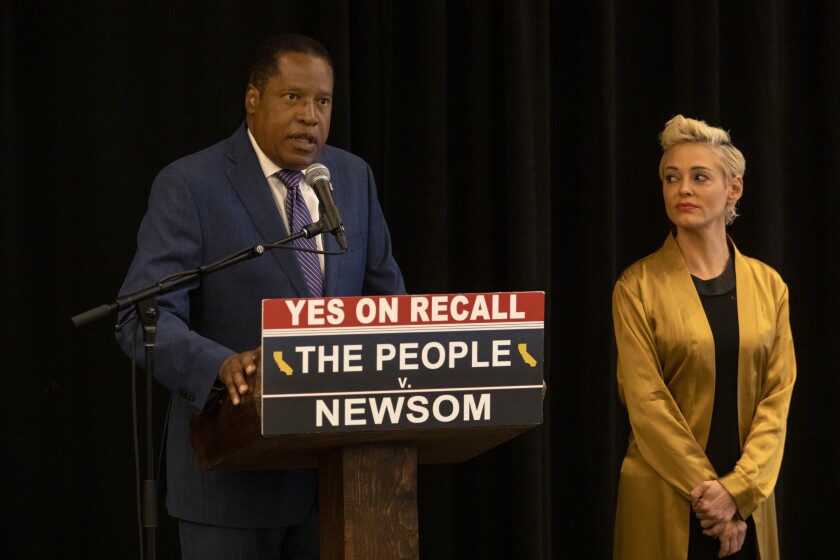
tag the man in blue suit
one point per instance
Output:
(209, 205)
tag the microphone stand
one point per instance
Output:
(147, 313)
(146, 307)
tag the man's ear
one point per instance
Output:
(252, 99)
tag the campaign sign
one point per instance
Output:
(355, 364)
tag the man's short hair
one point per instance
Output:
(264, 63)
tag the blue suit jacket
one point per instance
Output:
(202, 208)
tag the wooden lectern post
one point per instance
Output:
(368, 501)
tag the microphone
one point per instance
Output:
(317, 176)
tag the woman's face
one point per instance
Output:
(695, 188)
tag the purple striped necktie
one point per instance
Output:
(298, 216)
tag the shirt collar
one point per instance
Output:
(269, 168)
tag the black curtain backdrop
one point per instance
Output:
(514, 144)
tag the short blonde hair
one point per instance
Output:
(682, 130)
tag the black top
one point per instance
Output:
(723, 449)
(721, 307)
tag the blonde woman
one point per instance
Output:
(705, 369)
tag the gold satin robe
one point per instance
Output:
(666, 380)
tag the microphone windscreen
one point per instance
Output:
(315, 172)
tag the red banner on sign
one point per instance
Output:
(437, 309)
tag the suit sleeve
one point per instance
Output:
(660, 430)
(170, 241)
(756, 472)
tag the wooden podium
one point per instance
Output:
(367, 477)
(368, 481)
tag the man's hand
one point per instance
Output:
(713, 506)
(732, 537)
(237, 370)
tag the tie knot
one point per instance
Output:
(290, 177)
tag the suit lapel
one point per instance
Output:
(247, 179)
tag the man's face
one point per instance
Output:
(290, 120)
